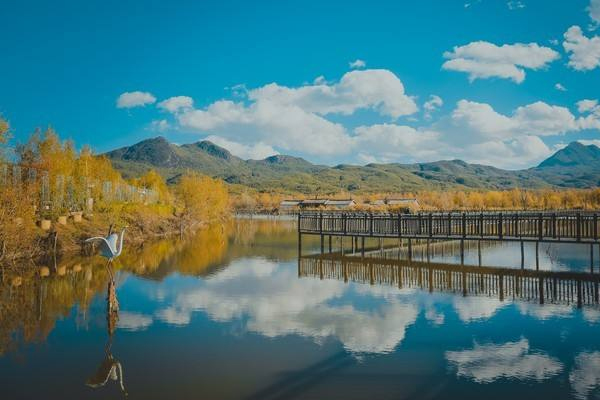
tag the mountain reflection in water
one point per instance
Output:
(233, 313)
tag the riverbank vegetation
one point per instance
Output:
(53, 196)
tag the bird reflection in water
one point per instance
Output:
(110, 368)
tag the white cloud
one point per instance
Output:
(384, 142)
(176, 104)
(293, 119)
(132, 321)
(377, 89)
(515, 5)
(584, 52)
(558, 86)
(256, 151)
(585, 376)
(485, 60)
(539, 119)
(288, 127)
(588, 105)
(356, 64)
(160, 125)
(432, 104)
(135, 99)
(490, 362)
(594, 10)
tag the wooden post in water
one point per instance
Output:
(409, 249)
(362, 246)
(537, 256)
(479, 251)
(462, 251)
(428, 255)
(299, 239)
(522, 256)
(591, 258)
(330, 244)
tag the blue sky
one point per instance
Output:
(275, 76)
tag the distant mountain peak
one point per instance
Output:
(284, 159)
(575, 154)
(214, 150)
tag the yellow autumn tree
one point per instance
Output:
(201, 199)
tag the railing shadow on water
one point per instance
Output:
(512, 284)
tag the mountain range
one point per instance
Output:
(575, 166)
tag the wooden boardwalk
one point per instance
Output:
(575, 227)
(567, 288)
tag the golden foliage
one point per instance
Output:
(200, 198)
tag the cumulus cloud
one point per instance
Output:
(256, 151)
(176, 104)
(584, 52)
(594, 10)
(432, 104)
(160, 125)
(490, 362)
(288, 127)
(588, 105)
(135, 99)
(486, 60)
(356, 64)
(377, 89)
(294, 118)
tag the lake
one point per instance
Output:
(233, 313)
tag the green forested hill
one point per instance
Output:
(575, 166)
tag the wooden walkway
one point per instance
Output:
(567, 288)
(574, 227)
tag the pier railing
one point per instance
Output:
(568, 226)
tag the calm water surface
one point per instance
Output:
(233, 314)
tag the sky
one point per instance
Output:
(498, 82)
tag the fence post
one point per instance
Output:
(371, 224)
(464, 224)
(578, 226)
(399, 225)
(595, 227)
(540, 226)
(430, 224)
(344, 222)
(321, 223)
(501, 225)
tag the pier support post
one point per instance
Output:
(591, 258)
(322, 244)
(330, 244)
(299, 244)
(479, 251)
(362, 246)
(522, 256)
(342, 245)
(428, 254)
(462, 251)
(537, 256)
(409, 249)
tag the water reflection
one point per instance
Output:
(489, 362)
(109, 368)
(210, 306)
